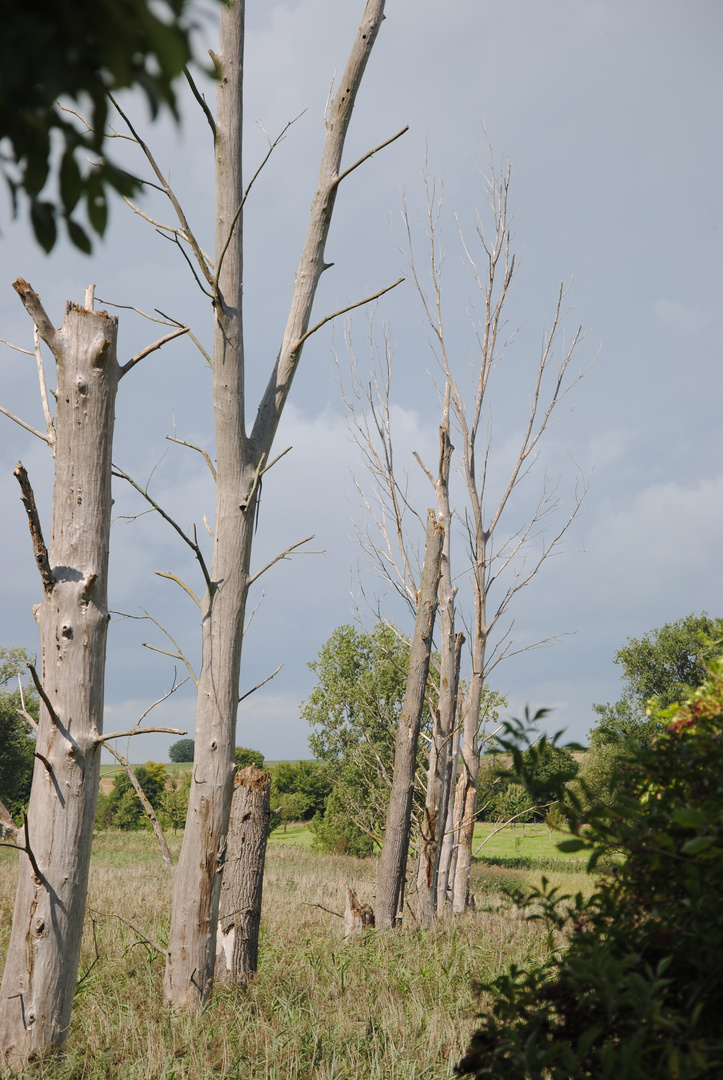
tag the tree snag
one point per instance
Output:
(237, 943)
(42, 960)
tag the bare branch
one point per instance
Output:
(201, 101)
(207, 457)
(343, 311)
(178, 655)
(26, 352)
(151, 348)
(178, 581)
(259, 685)
(166, 517)
(39, 549)
(166, 188)
(105, 739)
(278, 558)
(24, 712)
(7, 823)
(23, 424)
(370, 153)
(36, 311)
(121, 918)
(49, 425)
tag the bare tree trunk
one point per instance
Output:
(443, 716)
(448, 846)
(42, 960)
(393, 860)
(237, 952)
(241, 462)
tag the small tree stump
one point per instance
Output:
(237, 942)
(357, 917)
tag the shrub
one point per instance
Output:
(637, 992)
(245, 757)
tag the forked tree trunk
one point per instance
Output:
(42, 960)
(237, 944)
(241, 461)
(393, 860)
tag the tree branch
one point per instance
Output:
(343, 311)
(23, 424)
(201, 101)
(259, 685)
(151, 348)
(370, 153)
(191, 446)
(145, 802)
(36, 311)
(178, 581)
(278, 558)
(36, 533)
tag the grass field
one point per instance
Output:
(389, 1006)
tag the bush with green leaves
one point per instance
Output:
(299, 791)
(122, 809)
(632, 987)
(244, 757)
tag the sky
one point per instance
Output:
(610, 112)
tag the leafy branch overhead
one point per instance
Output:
(84, 50)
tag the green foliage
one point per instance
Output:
(298, 791)
(181, 750)
(80, 51)
(658, 666)
(122, 808)
(354, 708)
(636, 992)
(245, 757)
(529, 796)
(17, 744)
(174, 804)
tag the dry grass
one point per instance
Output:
(388, 1006)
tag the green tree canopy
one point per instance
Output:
(353, 709)
(79, 50)
(17, 743)
(181, 751)
(122, 808)
(660, 665)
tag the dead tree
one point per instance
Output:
(237, 944)
(357, 917)
(243, 457)
(42, 960)
(395, 849)
(494, 563)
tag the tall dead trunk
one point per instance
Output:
(393, 860)
(241, 461)
(448, 841)
(42, 960)
(237, 950)
(435, 811)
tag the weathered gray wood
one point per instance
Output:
(241, 460)
(393, 859)
(42, 960)
(237, 942)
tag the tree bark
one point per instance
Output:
(357, 917)
(237, 950)
(448, 842)
(435, 809)
(42, 960)
(393, 860)
(241, 461)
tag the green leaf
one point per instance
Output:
(79, 237)
(698, 844)
(42, 215)
(71, 182)
(97, 203)
(689, 818)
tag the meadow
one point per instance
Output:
(386, 1005)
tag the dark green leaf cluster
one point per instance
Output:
(632, 988)
(17, 743)
(79, 50)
